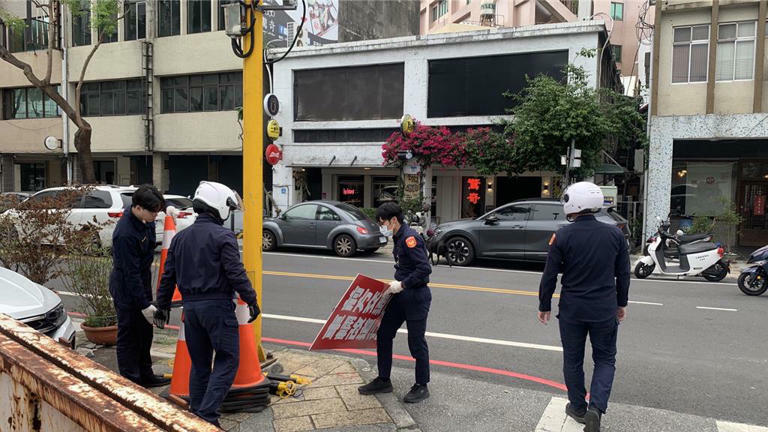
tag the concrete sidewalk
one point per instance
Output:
(457, 403)
(330, 403)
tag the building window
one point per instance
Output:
(690, 53)
(81, 25)
(199, 16)
(475, 86)
(27, 103)
(135, 20)
(351, 190)
(384, 190)
(735, 51)
(349, 93)
(109, 98)
(194, 93)
(32, 176)
(617, 11)
(439, 9)
(168, 17)
(616, 49)
(33, 37)
(222, 4)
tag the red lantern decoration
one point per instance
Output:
(273, 154)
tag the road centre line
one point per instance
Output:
(436, 335)
(717, 309)
(431, 284)
(650, 280)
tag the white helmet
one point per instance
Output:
(219, 197)
(582, 196)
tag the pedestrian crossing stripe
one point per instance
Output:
(554, 419)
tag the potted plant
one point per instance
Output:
(87, 275)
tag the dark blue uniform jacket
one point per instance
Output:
(204, 261)
(133, 250)
(594, 261)
(412, 269)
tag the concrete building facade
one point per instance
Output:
(161, 94)
(709, 99)
(341, 102)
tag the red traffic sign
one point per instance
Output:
(273, 154)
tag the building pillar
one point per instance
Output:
(712, 56)
(757, 103)
(7, 176)
(367, 191)
(660, 177)
(159, 173)
(282, 187)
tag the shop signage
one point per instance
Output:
(473, 189)
(273, 154)
(759, 206)
(348, 191)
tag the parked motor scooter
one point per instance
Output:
(753, 280)
(672, 242)
(695, 259)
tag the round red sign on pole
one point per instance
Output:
(273, 154)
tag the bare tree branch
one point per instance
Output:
(78, 114)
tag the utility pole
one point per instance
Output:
(253, 148)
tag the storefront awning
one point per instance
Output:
(608, 168)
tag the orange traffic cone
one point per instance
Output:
(169, 231)
(250, 391)
(178, 392)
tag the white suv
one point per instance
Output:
(104, 203)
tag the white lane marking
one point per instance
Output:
(646, 303)
(723, 426)
(436, 335)
(651, 280)
(717, 309)
(554, 418)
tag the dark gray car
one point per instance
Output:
(333, 225)
(517, 231)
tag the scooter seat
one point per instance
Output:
(694, 248)
(687, 238)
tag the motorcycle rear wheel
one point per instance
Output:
(749, 286)
(721, 273)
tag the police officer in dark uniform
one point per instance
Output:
(204, 261)
(133, 250)
(594, 260)
(410, 302)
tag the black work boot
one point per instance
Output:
(155, 381)
(592, 420)
(418, 393)
(575, 414)
(379, 385)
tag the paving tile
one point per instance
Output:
(312, 393)
(294, 424)
(338, 379)
(354, 400)
(303, 408)
(351, 418)
(346, 367)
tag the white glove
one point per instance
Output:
(395, 287)
(172, 211)
(149, 314)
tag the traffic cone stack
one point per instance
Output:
(169, 231)
(250, 391)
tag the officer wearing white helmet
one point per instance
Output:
(594, 261)
(204, 261)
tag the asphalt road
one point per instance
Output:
(690, 347)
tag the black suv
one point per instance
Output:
(516, 231)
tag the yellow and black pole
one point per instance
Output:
(253, 148)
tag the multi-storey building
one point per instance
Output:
(341, 102)
(161, 93)
(709, 105)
